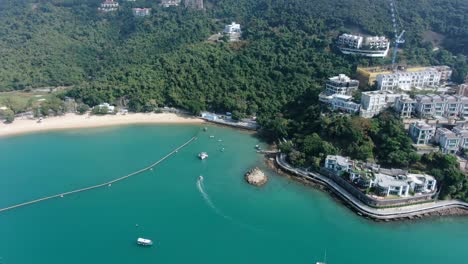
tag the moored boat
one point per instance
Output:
(203, 155)
(144, 242)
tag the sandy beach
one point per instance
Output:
(70, 121)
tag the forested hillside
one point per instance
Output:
(275, 72)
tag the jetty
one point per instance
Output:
(109, 183)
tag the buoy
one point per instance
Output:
(136, 225)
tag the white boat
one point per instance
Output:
(203, 155)
(200, 178)
(144, 242)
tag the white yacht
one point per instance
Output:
(144, 242)
(203, 155)
(200, 178)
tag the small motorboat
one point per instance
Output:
(200, 178)
(211, 136)
(203, 155)
(144, 242)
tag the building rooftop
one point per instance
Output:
(385, 180)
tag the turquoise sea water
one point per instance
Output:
(221, 220)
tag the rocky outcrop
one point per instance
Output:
(256, 177)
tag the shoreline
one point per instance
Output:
(74, 121)
(442, 212)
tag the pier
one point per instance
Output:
(109, 183)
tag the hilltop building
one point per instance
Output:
(374, 102)
(141, 12)
(108, 6)
(168, 3)
(376, 46)
(385, 181)
(233, 31)
(341, 84)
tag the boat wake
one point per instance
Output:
(207, 199)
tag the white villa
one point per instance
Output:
(385, 181)
(233, 30)
(108, 6)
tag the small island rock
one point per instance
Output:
(256, 177)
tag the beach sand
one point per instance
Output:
(70, 121)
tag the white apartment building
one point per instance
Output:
(233, 30)
(376, 46)
(108, 6)
(404, 106)
(374, 102)
(421, 132)
(141, 12)
(168, 3)
(351, 41)
(431, 105)
(340, 102)
(386, 181)
(341, 84)
(427, 78)
(448, 141)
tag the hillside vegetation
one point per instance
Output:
(276, 72)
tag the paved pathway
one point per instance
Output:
(384, 213)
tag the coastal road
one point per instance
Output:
(383, 213)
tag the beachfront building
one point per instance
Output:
(376, 46)
(168, 3)
(108, 6)
(374, 102)
(341, 84)
(141, 12)
(340, 102)
(233, 31)
(385, 182)
(110, 108)
(209, 116)
(448, 141)
(421, 132)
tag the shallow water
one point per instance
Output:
(218, 220)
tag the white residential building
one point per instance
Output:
(110, 108)
(386, 181)
(108, 6)
(376, 46)
(421, 132)
(338, 164)
(374, 102)
(406, 80)
(341, 84)
(141, 12)
(233, 30)
(449, 141)
(404, 107)
(432, 105)
(168, 3)
(340, 102)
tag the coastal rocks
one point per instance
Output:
(256, 177)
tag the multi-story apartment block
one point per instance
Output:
(445, 73)
(365, 46)
(168, 3)
(196, 4)
(405, 107)
(431, 105)
(448, 141)
(374, 102)
(341, 84)
(141, 12)
(340, 102)
(406, 80)
(462, 133)
(108, 6)
(233, 31)
(421, 132)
